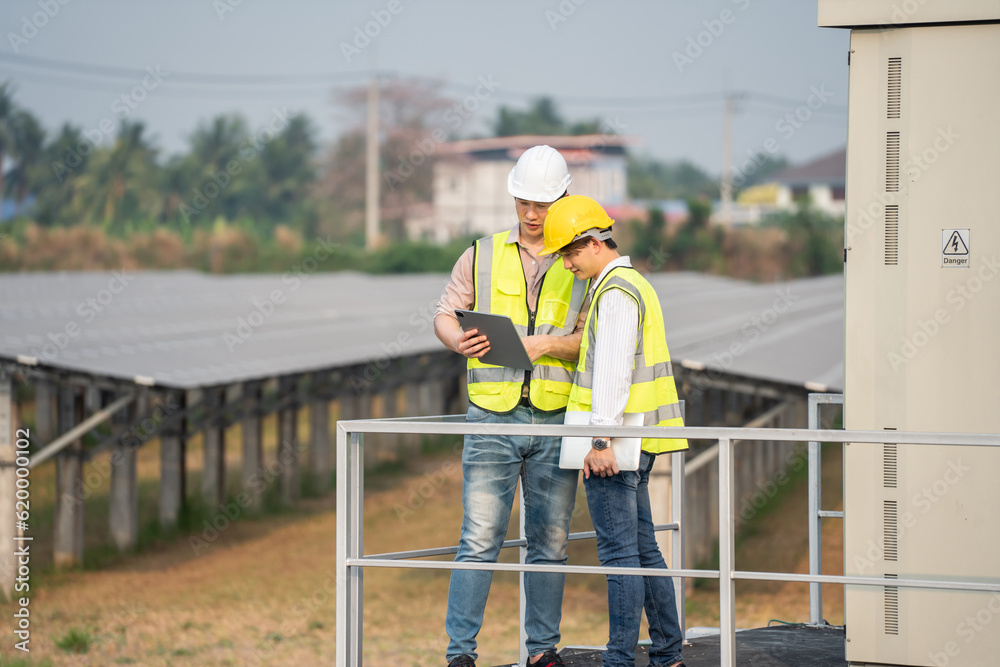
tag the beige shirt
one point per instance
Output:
(459, 293)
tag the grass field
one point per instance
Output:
(262, 590)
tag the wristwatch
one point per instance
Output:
(600, 444)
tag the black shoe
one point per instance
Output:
(549, 659)
(464, 660)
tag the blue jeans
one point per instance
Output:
(491, 465)
(619, 508)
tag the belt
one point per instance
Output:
(525, 400)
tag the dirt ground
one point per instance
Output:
(261, 590)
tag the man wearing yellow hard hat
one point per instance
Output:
(624, 368)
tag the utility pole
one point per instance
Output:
(726, 188)
(372, 234)
(726, 216)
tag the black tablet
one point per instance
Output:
(506, 348)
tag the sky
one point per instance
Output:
(657, 71)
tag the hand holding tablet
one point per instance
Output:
(506, 347)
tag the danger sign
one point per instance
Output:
(955, 247)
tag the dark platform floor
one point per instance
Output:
(780, 646)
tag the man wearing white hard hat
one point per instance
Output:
(504, 274)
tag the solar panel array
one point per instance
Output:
(185, 329)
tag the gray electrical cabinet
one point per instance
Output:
(922, 319)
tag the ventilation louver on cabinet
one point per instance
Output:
(895, 87)
(892, 235)
(892, 162)
(889, 466)
(890, 596)
(889, 524)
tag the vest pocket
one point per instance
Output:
(558, 387)
(552, 311)
(509, 287)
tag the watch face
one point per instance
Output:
(600, 444)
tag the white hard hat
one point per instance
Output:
(539, 175)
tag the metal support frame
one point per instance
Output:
(351, 560)
(173, 473)
(288, 445)
(816, 514)
(73, 434)
(123, 501)
(68, 539)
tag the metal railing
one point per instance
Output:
(351, 560)
(816, 513)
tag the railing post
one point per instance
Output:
(677, 536)
(815, 553)
(727, 555)
(522, 552)
(350, 540)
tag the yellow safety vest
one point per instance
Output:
(500, 288)
(653, 393)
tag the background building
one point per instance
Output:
(822, 180)
(470, 181)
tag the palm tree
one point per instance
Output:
(210, 189)
(289, 167)
(58, 173)
(28, 141)
(121, 181)
(7, 110)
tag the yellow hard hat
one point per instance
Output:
(572, 218)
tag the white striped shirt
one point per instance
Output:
(614, 351)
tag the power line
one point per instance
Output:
(330, 79)
(105, 71)
(64, 81)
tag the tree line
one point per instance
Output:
(264, 184)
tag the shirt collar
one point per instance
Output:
(515, 234)
(619, 261)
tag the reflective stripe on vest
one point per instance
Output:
(653, 393)
(500, 288)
